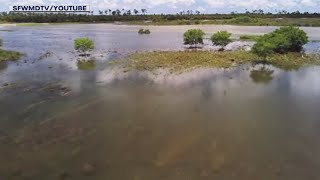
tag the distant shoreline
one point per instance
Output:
(299, 22)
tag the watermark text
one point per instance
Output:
(53, 8)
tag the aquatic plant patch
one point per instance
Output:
(9, 55)
(184, 60)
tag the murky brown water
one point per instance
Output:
(62, 123)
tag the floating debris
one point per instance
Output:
(45, 55)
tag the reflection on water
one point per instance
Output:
(261, 75)
(3, 65)
(62, 123)
(84, 64)
(219, 124)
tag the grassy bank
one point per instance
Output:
(240, 21)
(9, 55)
(308, 22)
(249, 37)
(185, 60)
(31, 24)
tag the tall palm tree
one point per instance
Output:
(144, 11)
(135, 11)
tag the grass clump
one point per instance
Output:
(31, 24)
(184, 60)
(243, 20)
(221, 38)
(249, 37)
(144, 31)
(9, 55)
(292, 60)
(83, 45)
(193, 37)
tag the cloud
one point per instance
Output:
(309, 3)
(201, 9)
(171, 6)
(216, 3)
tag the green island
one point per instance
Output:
(186, 60)
(281, 48)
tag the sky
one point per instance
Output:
(174, 6)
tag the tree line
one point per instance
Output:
(110, 15)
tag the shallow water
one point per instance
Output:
(245, 123)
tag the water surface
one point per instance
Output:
(58, 122)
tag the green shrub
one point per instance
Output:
(83, 45)
(221, 38)
(144, 31)
(147, 31)
(193, 37)
(263, 48)
(141, 31)
(283, 40)
(0, 42)
(296, 38)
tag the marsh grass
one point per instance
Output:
(293, 61)
(185, 60)
(307, 22)
(249, 37)
(6, 55)
(31, 24)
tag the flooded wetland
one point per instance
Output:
(63, 119)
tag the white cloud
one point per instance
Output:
(171, 2)
(201, 9)
(309, 3)
(216, 3)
